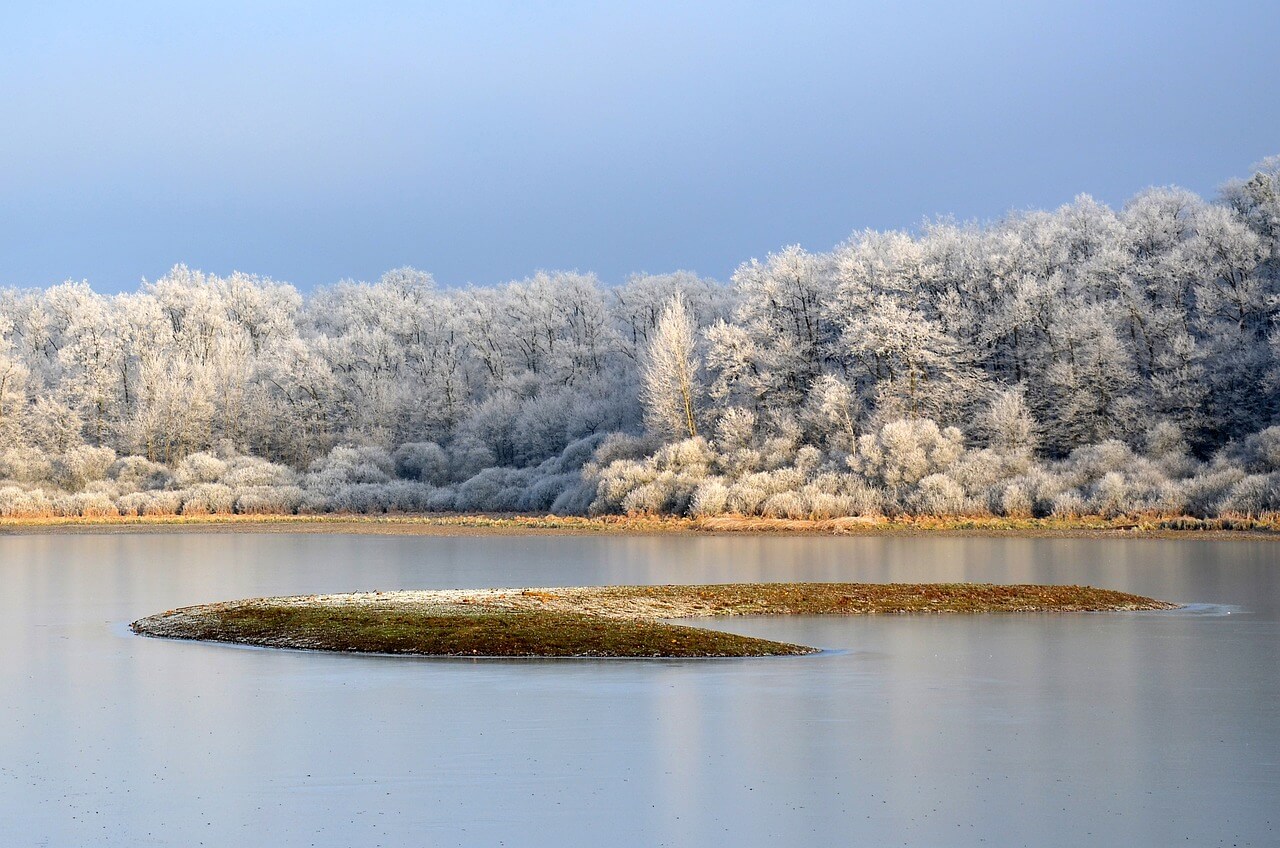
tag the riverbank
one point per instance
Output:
(600, 621)
(510, 524)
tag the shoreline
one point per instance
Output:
(500, 524)
(593, 621)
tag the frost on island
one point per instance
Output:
(1076, 362)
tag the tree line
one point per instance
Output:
(1081, 360)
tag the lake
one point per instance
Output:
(1040, 729)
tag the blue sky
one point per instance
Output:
(311, 141)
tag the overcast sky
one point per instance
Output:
(311, 142)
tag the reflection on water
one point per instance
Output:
(1135, 728)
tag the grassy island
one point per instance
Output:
(602, 621)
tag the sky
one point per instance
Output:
(312, 142)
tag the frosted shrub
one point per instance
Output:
(575, 499)
(1144, 474)
(325, 483)
(268, 500)
(137, 473)
(12, 499)
(617, 480)
(831, 412)
(1260, 452)
(939, 495)
(132, 503)
(208, 499)
(689, 456)
(1170, 499)
(11, 464)
(864, 500)
(444, 499)
(1016, 501)
(831, 495)
(81, 465)
(578, 453)
(1253, 496)
(350, 464)
(163, 503)
(741, 462)
(1110, 497)
(1150, 490)
(735, 429)
(468, 456)
(408, 496)
(493, 490)
(904, 452)
(18, 503)
(539, 495)
(96, 505)
(251, 472)
(828, 505)
(64, 505)
(1044, 487)
(785, 505)
(26, 465)
(1009, 425)
(378, 457)
(808, 460)
(710, 499)
(618, 446)
(666, 494)
(829, 482)
(41, 502)
(333, 478)
(106, 488)
(647, 499)
(1165, 440)
(1206, 491)
(492, 423)
(1069, 504)
(53, 426)
(1091, 462)
(541, 427)
(314, 503)
(425, 461)
(747, 496)
(777, 453)
(199, 468)
(360, 498)
(980, 470)
(83, 505)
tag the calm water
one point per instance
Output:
(1114, 729)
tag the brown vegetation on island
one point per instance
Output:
(601, 621)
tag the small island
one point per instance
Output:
(600, 621)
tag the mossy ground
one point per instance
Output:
(606, 621)
(463, 631)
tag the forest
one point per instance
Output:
(1081, 361)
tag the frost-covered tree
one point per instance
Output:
(671, 389)
(1079, 359)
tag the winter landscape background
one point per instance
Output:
(1077, 361)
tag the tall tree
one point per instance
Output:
(671, 388)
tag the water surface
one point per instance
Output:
(1119, 728)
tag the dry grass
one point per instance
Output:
(605, 621)
(499, 524)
